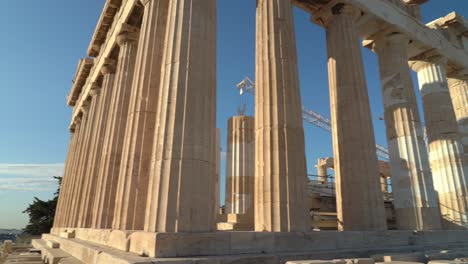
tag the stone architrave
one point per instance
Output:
(415, 199)
(240, 168)
(359, 198)
(280, 173)
(445, 146)
(133, 181)
(181, 182)
(115, 129)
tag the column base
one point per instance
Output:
(236, 222)
(273, 247)
(431, 220)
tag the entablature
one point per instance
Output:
(82, 73)
(104, 24)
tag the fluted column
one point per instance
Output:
(240, 166)
(114, 133)
(459, 93)
(217, 167)
(415, 199)
(359, 198)
(445, 147)
(280, 194)
(59, 213)
(103, 99)
(84, 195)
(139, 134)
(108, 72)
(79, 130)
(181, 184)
(322, 173)
(81, 163)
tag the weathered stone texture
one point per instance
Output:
(182, 168)
(359, 198)
(445, 148)
(415, 201)
(280, 171)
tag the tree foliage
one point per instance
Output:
(41, 213)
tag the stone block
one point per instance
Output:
(53, 255)
(8, 246)
(144, 244)
(119, 239)
(382, 239)
(352, 239)
(201, 244)
(399, 262)
(358, 261)
(448, 261)
(98, 236)
(294, 242)
(251, 243)
(446, 254)
(52, 244)
(411, 257)
(316, 262)
(67, 234)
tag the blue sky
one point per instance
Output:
(41, 42)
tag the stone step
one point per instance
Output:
(410, 257)
(89, 253)
(51, 253)
(227, 226)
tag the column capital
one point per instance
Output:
(394, 38)
(145, 2)
(457, 81)
(126, 37)
(109, 66)
(424, 61)
(85, 106)
(95, 89)
(325, 15)
(77, 121)
(73, 128)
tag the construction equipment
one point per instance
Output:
(312, 117)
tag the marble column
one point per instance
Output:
(240, 167)
(83, 196)
(415, 200)
(322, 173)
(280, 191)
(59, 213)
(108, 71)
(81, 162)
(132, 185)
(458, 88)
(359, 198)
(445, 147)
(217, 167)
(181, 182)
(96, 150)
(71, 172)
(115, 129)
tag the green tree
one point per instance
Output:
(41, 213)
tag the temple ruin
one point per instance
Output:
(141, 183)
